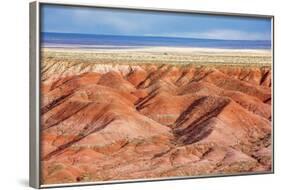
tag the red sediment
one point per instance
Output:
(156, 121)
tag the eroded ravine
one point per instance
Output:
(154, 121)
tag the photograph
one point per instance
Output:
(140, 94)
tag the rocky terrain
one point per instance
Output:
(115, 122)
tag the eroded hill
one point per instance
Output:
(114, 122)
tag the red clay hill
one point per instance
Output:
(155, 121)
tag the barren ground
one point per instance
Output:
(123, 115)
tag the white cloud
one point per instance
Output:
(223, 34)
(125, 23)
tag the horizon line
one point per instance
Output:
(154, 36)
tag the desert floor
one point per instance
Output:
(154, 113)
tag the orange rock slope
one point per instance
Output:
(155, 121)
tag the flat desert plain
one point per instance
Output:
(153, 113)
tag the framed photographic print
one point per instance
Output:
(123, 94)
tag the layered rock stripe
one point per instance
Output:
(106, 122)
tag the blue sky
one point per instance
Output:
(67, 19)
